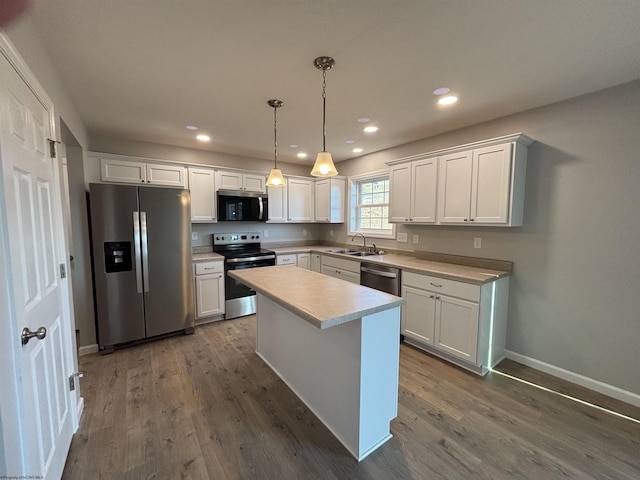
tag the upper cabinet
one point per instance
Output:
(413, 191)
(248, 182)
(476, 184)
(203, 195)
(329, 200)
(142, 172)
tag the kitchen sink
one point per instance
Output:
(355, 253)
(361, 254)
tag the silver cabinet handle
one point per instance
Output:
(136, 250)
(28, 334)
(436, 285)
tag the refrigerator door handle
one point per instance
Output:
(136, 250)
(145, 251)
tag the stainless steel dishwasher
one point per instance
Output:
(380, 277)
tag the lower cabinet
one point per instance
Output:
(316, 262)
(209, 289)
(301, 260)
(461, 322)
(348, 270)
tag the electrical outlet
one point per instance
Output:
(194, 235)
(304, 232)
(265, 234)
(416, 238)
(477, 242)
(402, 237)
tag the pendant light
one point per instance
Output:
(275, 176)
(324, 166)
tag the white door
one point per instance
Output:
(33, 224)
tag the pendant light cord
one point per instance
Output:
(275, 137)
(324, 110)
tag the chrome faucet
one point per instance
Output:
(364, 239)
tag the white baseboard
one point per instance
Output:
(87, 349)
(590, 383)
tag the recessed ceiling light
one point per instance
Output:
(293, 145)
(191, 127)
(349, 141)
(448, 100)
(301, 155)
(357, 150)
(203, 138)
(441, 91)
(364, 120)
(370, 129)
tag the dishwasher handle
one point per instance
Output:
(379, 272)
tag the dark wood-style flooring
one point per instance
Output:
(204, 406)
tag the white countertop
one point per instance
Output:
(452, 271)
(206, 257)
(321, 300)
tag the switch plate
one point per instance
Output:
(477, 242)
(416, 238)
(194, 235)
(265, 233)
(331, 233)
(402, 237)
(304, 232)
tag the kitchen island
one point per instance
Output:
(335, 344)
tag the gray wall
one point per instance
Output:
(574, 299)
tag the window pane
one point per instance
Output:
(368, 193)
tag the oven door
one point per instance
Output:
(240, 299)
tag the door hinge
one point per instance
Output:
(52, 147)
(63, 271)
(72, 380)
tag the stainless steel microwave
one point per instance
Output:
(239, 206)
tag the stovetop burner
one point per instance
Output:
(238, 245)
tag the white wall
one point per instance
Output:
(575, 293)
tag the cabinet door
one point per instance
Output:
(122, 171)
(166, 175)
(290, 259)
(304, 261)
(300, 200)
(323, 200)
(400, 193)
(316, 262)
(277, 204)
(418, 314)
(209, 295)
(254, 183)
(457, 327)
(203, 195)
(229, 180)
(454, 188)
(424, 183)
(491, 184)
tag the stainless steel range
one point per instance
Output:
(240, 250)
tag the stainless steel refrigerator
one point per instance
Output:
(141, 238)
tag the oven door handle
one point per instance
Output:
(250, 259)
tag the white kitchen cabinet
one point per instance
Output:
(209, 290)
(203, 195)
(461, 322)
(413, 189)
(483, 186)
(300, 200)
(138, 172)
(286, 259)
(292, 203)
(348, 270)
(329, 200)
(248, 182)
(316, 262)
(304, 261)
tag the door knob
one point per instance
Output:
(28, 334)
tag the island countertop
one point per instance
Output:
(321, 300)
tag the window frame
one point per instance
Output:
(352, 199)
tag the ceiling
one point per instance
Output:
(145, 69)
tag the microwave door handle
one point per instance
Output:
(145, 251)
(261, 214)
(136, 251)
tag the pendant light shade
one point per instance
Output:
(324, 166)
(275, 176)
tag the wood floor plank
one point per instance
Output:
(205, 406)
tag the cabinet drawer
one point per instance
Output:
(341, 264)
(204, 268)
(445, 286)
(290, 259)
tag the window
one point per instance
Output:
(369, 205)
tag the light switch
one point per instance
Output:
(194, 235)
(416, 238)
(402, 237)
(477, 242)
